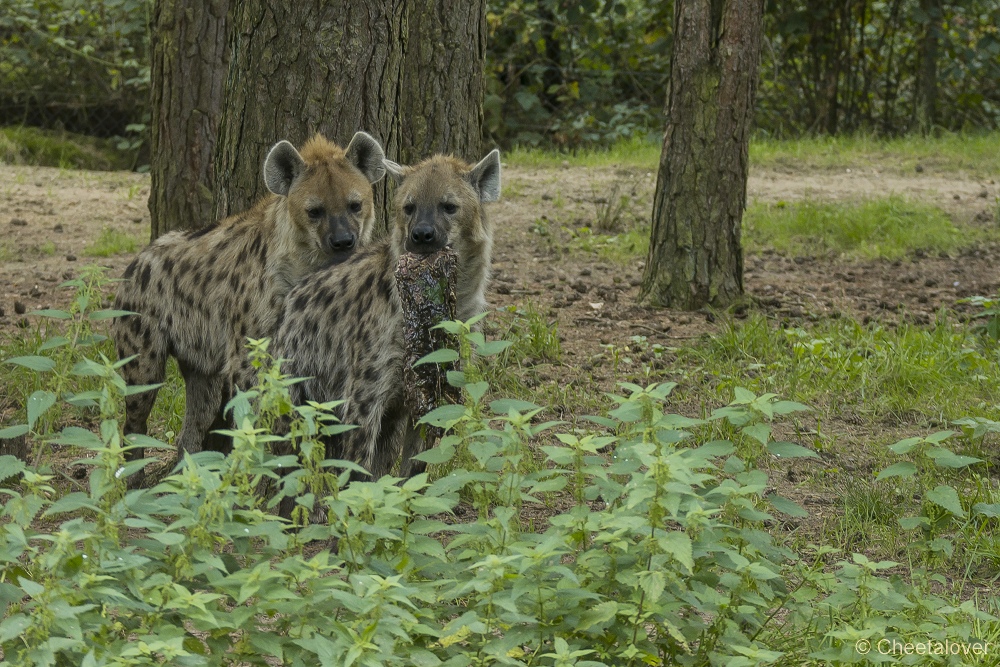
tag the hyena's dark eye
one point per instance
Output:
(409, 209)
(449, 208)
(315, 212)
(356, 207)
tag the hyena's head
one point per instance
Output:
(328, 190)
(439, 203)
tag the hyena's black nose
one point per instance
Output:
(422, 235)
(342, 241)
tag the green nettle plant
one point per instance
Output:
(649, 543)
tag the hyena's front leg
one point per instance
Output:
(206, 396)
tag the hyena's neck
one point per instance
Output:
(474, 258)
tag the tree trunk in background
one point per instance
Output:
(300, 68)
(443, 80)
(927, 84)
(695, 258)
(190, 56)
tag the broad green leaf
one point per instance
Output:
(10, 466)
(443, 415)
(438, 357)
(678, 545)
(15, 431)
(53, 343)
(52, 313)
(991, 510)
(477, 390)
(901, 469)
(13, 626)
(108, 314)
(35, 363)
(949, 459)
(946, 497)
(904, 446)
(759, 432)
(598, 615)
(38, 403)
(503, 406)
(493, 347)
(914, 522)
(786, 506)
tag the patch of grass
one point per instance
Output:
(978, 154)
(870, 514)
(886, 228)
(635, 152)
(49, 148)
(9, 254)
(624, 248)
(111, 242)
(907, 374)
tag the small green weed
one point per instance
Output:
(111, 242)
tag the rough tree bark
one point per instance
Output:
(188, 77)
(299, 68)
(443, 79)
(695, 258)
(410, 74)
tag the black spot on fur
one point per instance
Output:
(301, 301)
(168, 265)
(130, 269)
(198, 233)
(385, 286)
(144, 278)
(255, 246)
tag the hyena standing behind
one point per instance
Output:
(198, 295)
(343, 326)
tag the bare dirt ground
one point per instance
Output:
(50, 216)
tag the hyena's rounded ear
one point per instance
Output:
(485, 177)
(396, 171)
(365, 153)
(282, 166)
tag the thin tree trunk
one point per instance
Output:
(299, 68)
(443, 79)
(188, 76)
(695, 258)
(927, 85)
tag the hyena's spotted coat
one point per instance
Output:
(198, 295)
(343, 328)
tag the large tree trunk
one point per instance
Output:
(443, 79)
(304, 67)
(695, 258)
(188, 73)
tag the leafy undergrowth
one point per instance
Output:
(659, 545)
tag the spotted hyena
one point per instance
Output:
(342, 327)
(198, 295)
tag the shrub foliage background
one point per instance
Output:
(571, 74)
